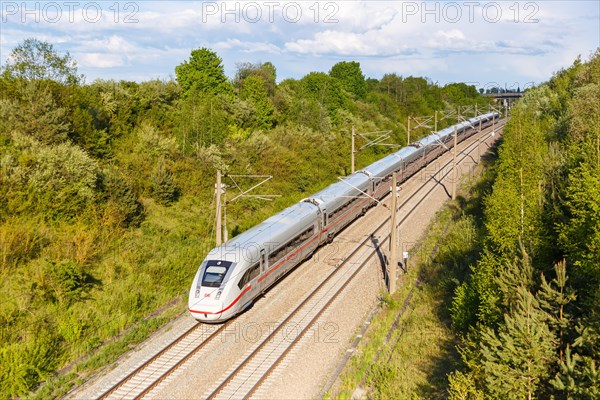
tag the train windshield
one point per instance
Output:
(215, 273)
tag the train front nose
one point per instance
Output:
(203, 306)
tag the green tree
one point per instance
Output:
(515, 360)
(578, 376)
(122, 199)
(36, 60)
(202, 121)
(36, 115)
(202, 74)
(266, 71)
(253, 90)
(351, 77)
(554, 297)
(54, 180)
(580, 235)
(163, 187)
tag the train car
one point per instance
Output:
(401, 162)
(234, 274)
(341, 203)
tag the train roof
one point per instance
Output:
(429, 140)
(386, 165)
(275, 230)
(339, 193)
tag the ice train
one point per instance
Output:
(234, 274)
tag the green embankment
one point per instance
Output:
(106, 188)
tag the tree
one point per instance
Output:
(579, 376)
(580, 235)
(35, 60)
(266, 71)
(37, 116)
(253, 90)
(202, 74)
(164, 189)
(553, 297)
(351, 77)
(122, 200)
(516, 359)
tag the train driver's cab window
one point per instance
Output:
(249, 275)
(215, 273)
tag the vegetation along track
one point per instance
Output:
(254, 369)
(244, 379)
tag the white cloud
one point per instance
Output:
(101, 60)
(250, 47)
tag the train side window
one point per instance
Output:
(279, 253)
(345, 207)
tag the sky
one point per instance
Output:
(484, 43)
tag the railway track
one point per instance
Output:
(152, 372)
(244, 379)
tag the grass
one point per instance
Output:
(76, 373)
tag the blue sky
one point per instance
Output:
(512, 43)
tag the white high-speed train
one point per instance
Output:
(237, 272)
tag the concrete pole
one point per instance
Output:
(393, 263)
(352, 157)
(225, 231)
(479, 142)
(435, 123)
(454, 172)
(408, 131)
(219, 233)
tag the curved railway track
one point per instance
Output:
(244, 379)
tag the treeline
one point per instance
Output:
(529, 311)
(106, 188)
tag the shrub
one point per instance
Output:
(164, 189)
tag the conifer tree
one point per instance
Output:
(164, 189)
(553, 298)
(579, 372)
(515, 360)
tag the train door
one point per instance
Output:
(373, 187)
(263, 262)
(324, 221)
(261, 283)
